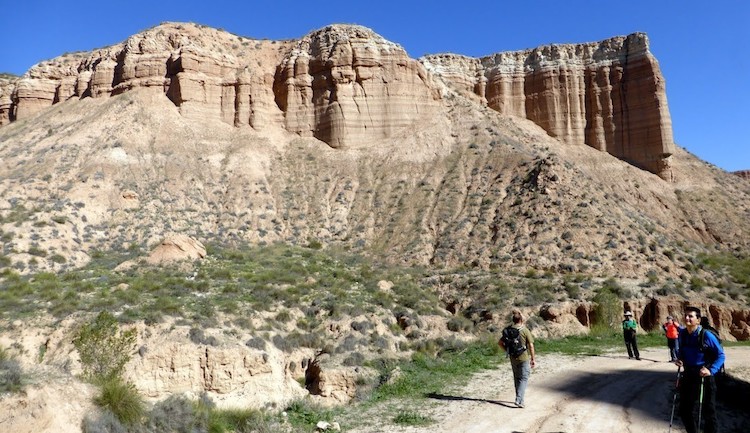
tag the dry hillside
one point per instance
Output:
(340, 141)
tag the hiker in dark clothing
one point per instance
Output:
(701, 355)
(628, 332)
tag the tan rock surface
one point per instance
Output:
(609, 95)
(346, 85)
(176, 247)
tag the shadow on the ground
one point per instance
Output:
(621, 357)
(437, 396)
(733, 405)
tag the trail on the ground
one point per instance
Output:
(584, 394)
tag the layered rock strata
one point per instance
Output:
(346, 85)
(609, 95)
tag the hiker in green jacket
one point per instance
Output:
(629, 326)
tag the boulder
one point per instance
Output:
(176, 247)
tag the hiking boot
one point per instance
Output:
(519, 405)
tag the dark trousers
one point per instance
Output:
(690, 389)
(672, 344)
(632, 345)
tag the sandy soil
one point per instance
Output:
(605, 393)
(584, 394)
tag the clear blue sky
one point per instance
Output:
(703, 47)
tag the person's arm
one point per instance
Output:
(532, 352)
(713, 345)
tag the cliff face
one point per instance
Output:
(609, 95)
(346, 85)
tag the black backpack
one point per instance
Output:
(511, 338)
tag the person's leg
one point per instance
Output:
(629, 347)
(635, 348)
(671, 343)
(525, 372)
(516, 375)
(709, 404)
(688, 397)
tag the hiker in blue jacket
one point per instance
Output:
(701, 356)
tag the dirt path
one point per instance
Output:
(606, 393)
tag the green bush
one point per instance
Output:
(608, 308)
(121, 399)
(103, 348)
(304, 414)
(408, 417)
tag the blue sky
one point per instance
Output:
(702, 47)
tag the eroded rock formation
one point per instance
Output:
(345, 85)
(609, 95)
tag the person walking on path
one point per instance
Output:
(671, 329)
(700, 355)
(518, 342)
(629, 326)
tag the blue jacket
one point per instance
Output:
(690, 353)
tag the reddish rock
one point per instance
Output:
(609, 95)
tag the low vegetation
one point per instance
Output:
(11, 374)
(301, 288)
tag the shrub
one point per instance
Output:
(458, 324)
(407, 417)
(197, 336)
(103, 348)
(121, 399)
(354, 359)
(175, 414)
(11, 375)
(105, 422)
(304, 414)
(256, 343)
(607, 309)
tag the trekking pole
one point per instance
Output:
(674, 397)
(700, 406)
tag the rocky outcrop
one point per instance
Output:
(745, 174)
(176, 247)
(344, 84)
(609, 95)
(733, 324)
(341, 84)
(206, 72)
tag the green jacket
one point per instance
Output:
(629, 325)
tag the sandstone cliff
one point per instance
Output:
(609, 95)
(346, 85)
